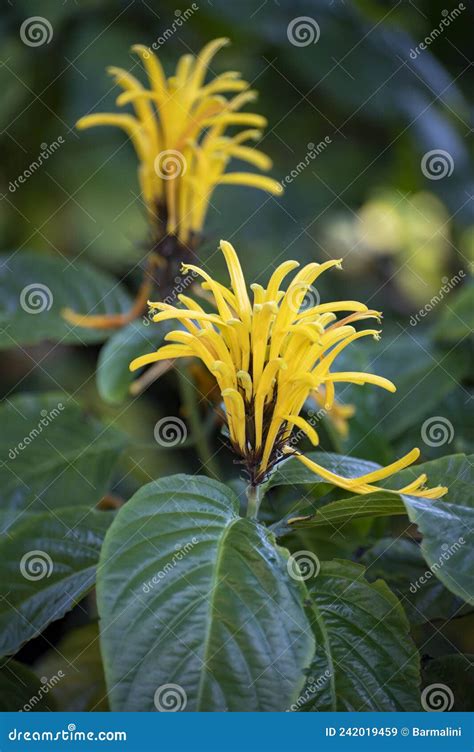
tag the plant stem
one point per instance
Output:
(201, 443)
(254, 496)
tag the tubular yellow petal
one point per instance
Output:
(154, 70)
(297, 420)
(354, 377)
(237, 280)
(253, 156)
(277, 278)
(252, 180)
(233, 400)
(385, 472)
(204, 58)
(164, 353)
(246, 381)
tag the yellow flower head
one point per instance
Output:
(178, 131)
(268, 355)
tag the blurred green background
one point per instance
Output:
(365, 197)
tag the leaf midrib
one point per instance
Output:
(210, 623)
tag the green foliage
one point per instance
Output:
(113, 373)
(49, 564)
(55, 456)
(21, 689)
(77, 657)
(365, 659)
(203, 600)
(34, 290)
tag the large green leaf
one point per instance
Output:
(22, 690)
(77, 657)
(36, 287)
(54, 455)
(113, 373)
(203, 602)
(447, 526)
(400, 563)
(365, 659)
(48, 564)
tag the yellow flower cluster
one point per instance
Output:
(179, 129)
(268, 355)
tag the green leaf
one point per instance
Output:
(36, 287)
(113, 374)
(400, 563)
(337, 513)
(21, 689)
(48, 565)
(455, 674)
(446, 525)
(203, 602)
(53, 456)
(77, 657)
(457, 319)
(365, 659)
